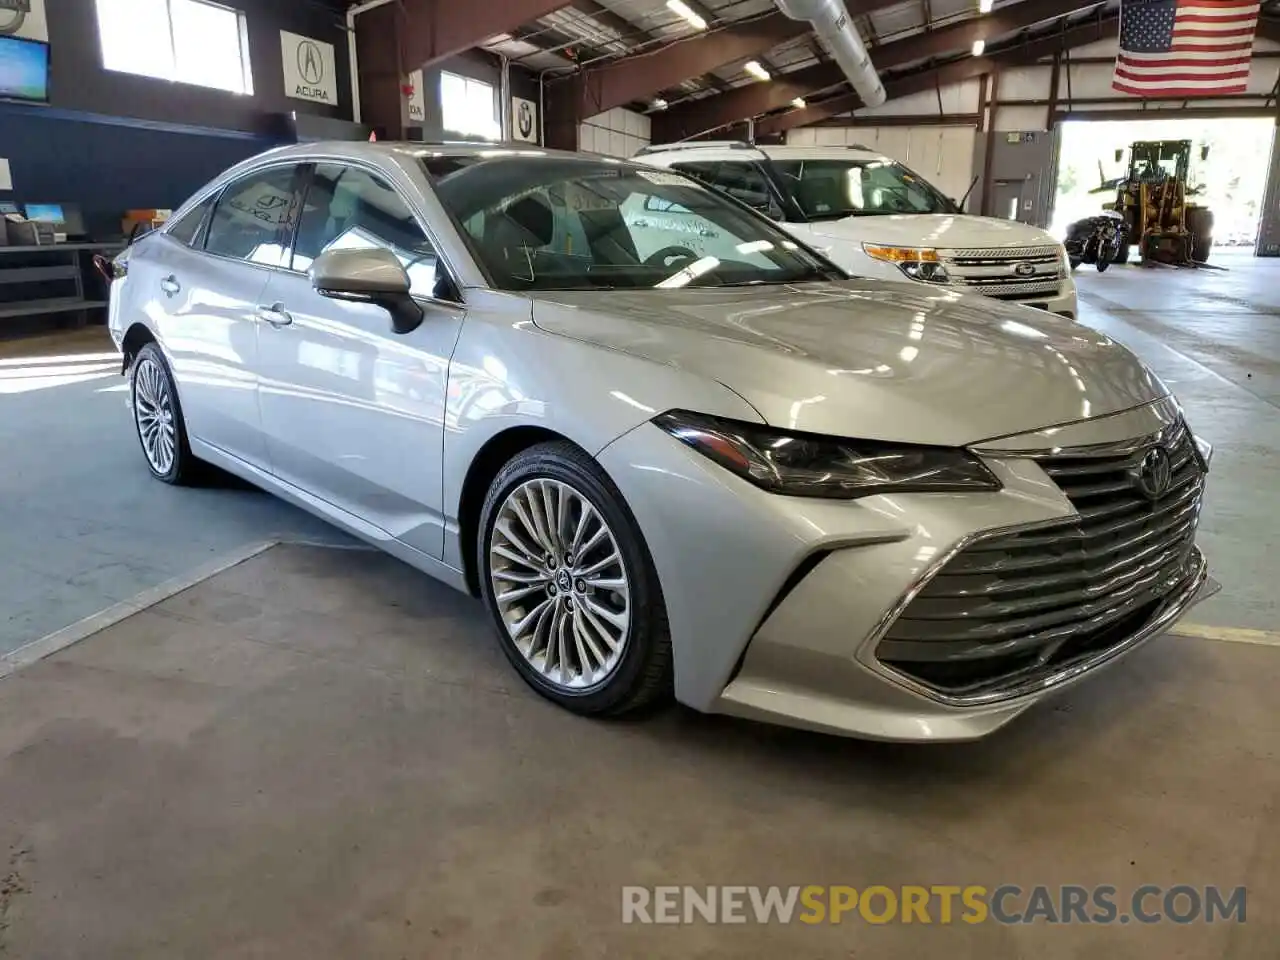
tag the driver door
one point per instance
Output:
(352, 412)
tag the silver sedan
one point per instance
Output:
(672, 449)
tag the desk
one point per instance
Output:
(50, 279)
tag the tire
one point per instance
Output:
(1200, 223)
(586, 675)
(1103, 263)
(154, 399)
(1122, 255)
(1075, 262)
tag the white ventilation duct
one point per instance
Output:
(831, 22)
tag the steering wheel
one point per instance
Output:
(666, 254)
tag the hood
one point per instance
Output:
(948, 231)
(869, 359)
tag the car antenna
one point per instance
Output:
(965, 198)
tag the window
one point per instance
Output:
(742, 181)
(833, 189)
(564, 224)
(246, 224)
(190, 41)
(468, 107)
(187, 229)
(351, 209)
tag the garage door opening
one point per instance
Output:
(1231, 179)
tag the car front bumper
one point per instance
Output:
(777, 604)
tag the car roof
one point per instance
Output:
(736, 150)
(369, 150)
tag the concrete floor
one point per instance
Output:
(322, 753)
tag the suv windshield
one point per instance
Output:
(562, 223)
(832, 189)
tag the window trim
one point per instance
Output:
(242, 29)
(303, 184)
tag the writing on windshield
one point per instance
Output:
(555, 224)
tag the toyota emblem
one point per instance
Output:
(1154, 473)
(1025, 269)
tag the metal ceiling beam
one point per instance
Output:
(957, 71)
(692, 119)
(614, 83)
(432, 30)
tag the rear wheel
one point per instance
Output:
(157, 418)
(1122, 255)
(569, 582)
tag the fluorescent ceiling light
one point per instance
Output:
(753, 67)
(680, 8)
(978, 47)
(799, 103)
(984, 6)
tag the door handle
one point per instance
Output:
(276, 315)
(171, 286)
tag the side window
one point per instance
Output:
(742, 181)
(246, 223)
(187, 229)
(347, 208)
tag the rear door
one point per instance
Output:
(353, 412)
(206, 299)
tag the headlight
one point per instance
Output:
(917, 263)
(807, 465)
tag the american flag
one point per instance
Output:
(1172, 48)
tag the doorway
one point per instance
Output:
(1230, 179)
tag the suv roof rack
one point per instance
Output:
(696, 144)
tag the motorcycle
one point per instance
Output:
(1096, 240)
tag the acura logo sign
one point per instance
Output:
(1153, 474)
(13, 14)
(310, 62)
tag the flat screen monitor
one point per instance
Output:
(46, 212)
(24, 70)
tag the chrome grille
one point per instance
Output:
(1013, 604)
(993, 272)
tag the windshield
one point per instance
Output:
(836, 188)
(561, 223)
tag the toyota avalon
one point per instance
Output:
(671, 448)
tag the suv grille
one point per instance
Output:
(1014, 607)
(996, 273)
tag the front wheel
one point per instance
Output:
(157, 418)
(570, 584)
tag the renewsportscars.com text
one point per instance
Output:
(936, 904)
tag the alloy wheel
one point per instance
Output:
(560, 584)
(153, 412)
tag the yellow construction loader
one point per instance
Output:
(1161, 218)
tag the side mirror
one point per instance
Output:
(1204, 152)
(1119, 155)
(368, 276)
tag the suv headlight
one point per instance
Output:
(808, 465)
(918, 263)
